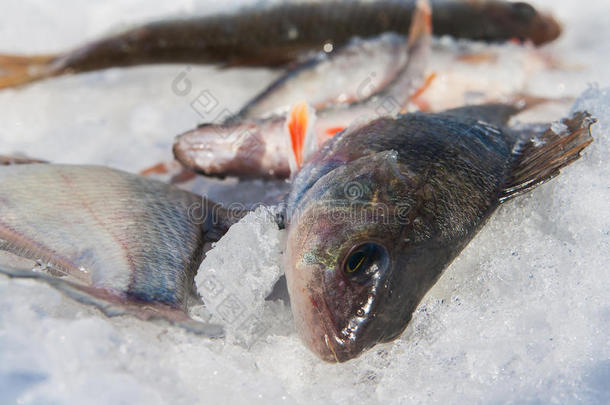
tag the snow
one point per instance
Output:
(521, 316)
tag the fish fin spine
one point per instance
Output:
(539, 158)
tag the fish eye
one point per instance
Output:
(365, 260)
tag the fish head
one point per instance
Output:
(523, 21)
(345, 257)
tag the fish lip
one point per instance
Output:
(340, 349)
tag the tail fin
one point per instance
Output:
(19, 70)
(539, 158)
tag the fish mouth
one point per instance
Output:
(323, 337)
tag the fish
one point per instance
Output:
(121, 242)
(352, 73)
(378, 213)
(279, 34)
(260, 147)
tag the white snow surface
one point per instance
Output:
(523, 314)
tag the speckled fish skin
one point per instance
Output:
(280, 33)
(417, 188)
(114, 236)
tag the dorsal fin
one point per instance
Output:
(496, 113)
(299, 123)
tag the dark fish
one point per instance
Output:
(119, 241)
(382, 209)
(280, 33)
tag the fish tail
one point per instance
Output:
(18, 70)
(539, 157)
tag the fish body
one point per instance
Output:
(280, 33)
(106, 236)
(347, 75)
(378, 213)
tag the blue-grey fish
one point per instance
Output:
(122, 242)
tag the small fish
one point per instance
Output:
(347, 75)
(119, 241)
(377, 214)
(259, 147)
(278, 34)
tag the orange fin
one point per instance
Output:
(19, 70)
(333, 131)
(300, 128)
(159, 168)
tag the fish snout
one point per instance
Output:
(322, 337)
(319, 327)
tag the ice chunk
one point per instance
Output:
(240, 271)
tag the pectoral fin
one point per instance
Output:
(300, 125)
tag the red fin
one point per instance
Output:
(159, 168)
(298, 121)
(332, 131)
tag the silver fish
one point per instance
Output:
(349, 74)
(122, 242)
